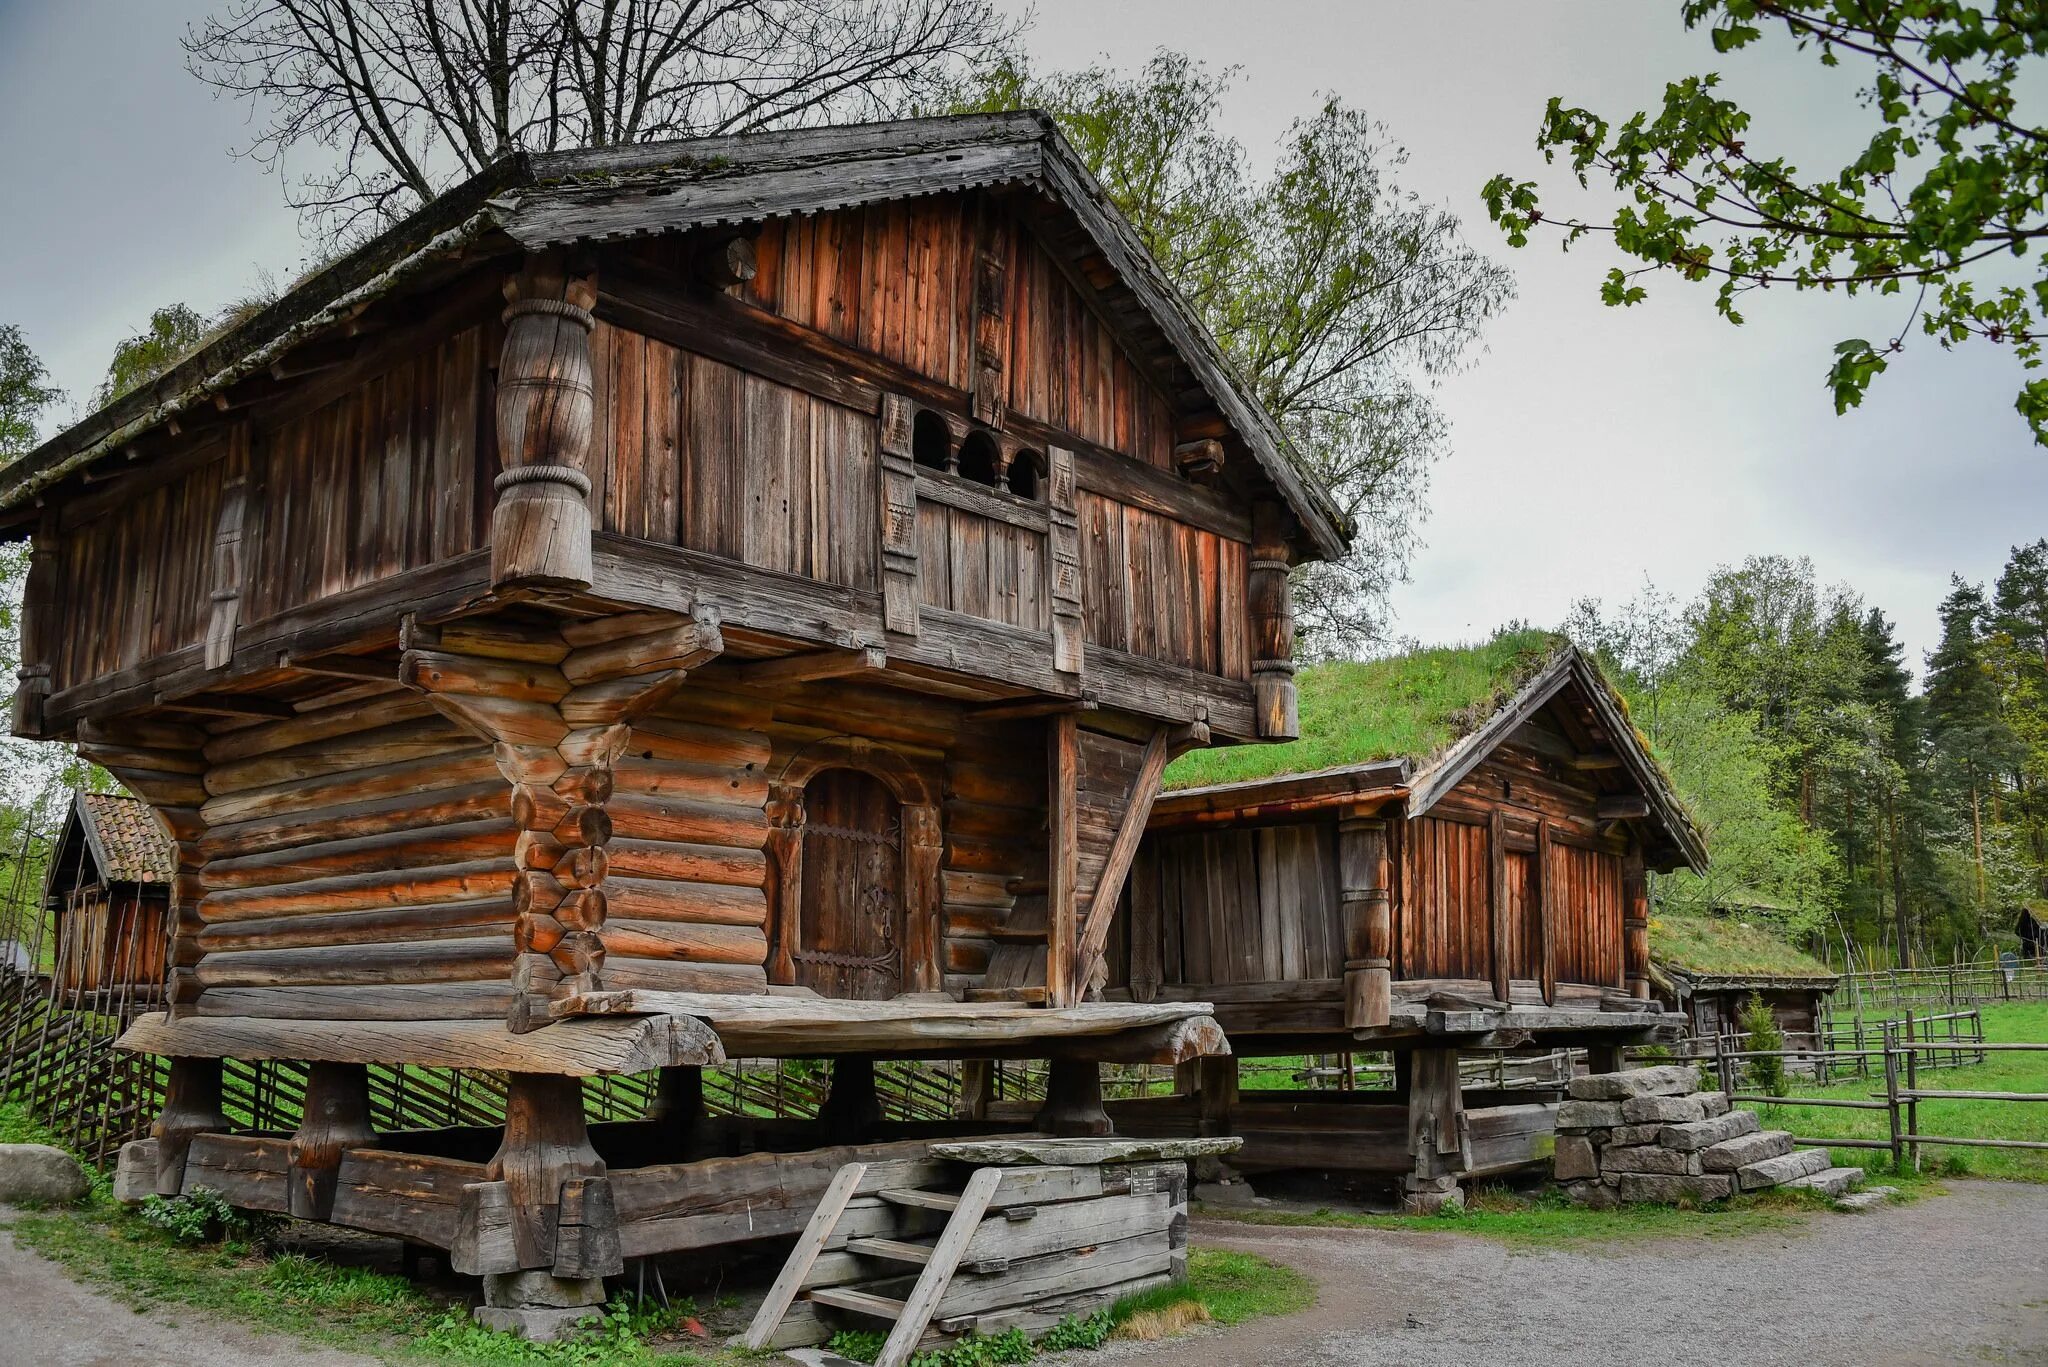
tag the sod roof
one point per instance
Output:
(1728, 947)
(1413, 706)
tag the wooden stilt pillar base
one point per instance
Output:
(678, 1112)
(1073, 1101)
(1603, 1058)
(1428, 1195)
(336, 1117)
(852, 1109)
(546, 1147)
(191, 1108)
(977, 1088)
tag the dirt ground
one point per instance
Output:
(1955, 1279)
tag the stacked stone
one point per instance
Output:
(1652, 1135)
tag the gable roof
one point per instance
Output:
(1415, 725)
(126, 842)
(1711, 951)
(543, 200)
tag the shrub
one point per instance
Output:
(203, 1217)
(1765, 1038)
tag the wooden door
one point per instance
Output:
(851, 921)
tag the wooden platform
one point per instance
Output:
(780, 1025)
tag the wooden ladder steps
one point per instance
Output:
(895, 1250)
(922, 1200)
(860, 1302)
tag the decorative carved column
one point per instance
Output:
(1363, 869)
(786, 867)
(540, 529)
(1635, 924)
(899, 516)
(923, 938)
(1274, 705)
(1063, 561)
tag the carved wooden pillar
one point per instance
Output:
(991, 308)
(1212, 1080)
(1063, 561)
(540, 529)
(1274, 705)
(1363, 869)
(977, 1088)
(545, 1145)
(1438, 1139)
(191, 1108)
(678, 1112)
(852, 1109)
(923, 937)
(899, 516)
(1635, 924)
(34, 680)
(336, 1117)
(786, 865)
(1073, 1101)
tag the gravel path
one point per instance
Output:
(48, 1320)
(1961, 1278)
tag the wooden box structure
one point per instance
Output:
(1487, 894)
(108, 893)
(1707, 966)
(660, 603)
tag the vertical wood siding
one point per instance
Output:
(1244, 906)
(1160, 588)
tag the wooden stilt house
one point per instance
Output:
(655, 605)
(107, 892)
(1450, 858)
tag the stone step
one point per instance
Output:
(1786, 1167)
(1741, 1151)
(1861, 1200)
(1671, 1079)
(1704, 1134)
(1828, 1181)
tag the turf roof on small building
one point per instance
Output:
(1707, 946)
(1412, 706)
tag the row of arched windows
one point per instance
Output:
(978, 454)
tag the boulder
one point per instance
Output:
(1828, 1181)
(1704, 1134)
(1741, 1151)
(1672, 1079)
(1573, 1158)
(1786, 1167)
(1588, 1115)
(1650, 1158)
(1592, 1195)
(1670, 1110)
(1862, 1200)
(39, 1175)
(1665, 1191)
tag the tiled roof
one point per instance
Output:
(127, 840)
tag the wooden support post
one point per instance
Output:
(923, 913)
(1437, 1138)
(1213, 1082)
(1635, 924)
(1073, 1101)
(1497, 901)
(191, 1108)
(852, 1108)
(545, 1145)
(977, 1088)
(1368, 922)
(1276, 710)
(1063, 859)
(1603, 1058)
(336, 1117)
(678, 1112)
(540, 529)
(1546, 913)
(227, 551)
(34, 679)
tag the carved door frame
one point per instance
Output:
(921, 846)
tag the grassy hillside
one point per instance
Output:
(1724, 947)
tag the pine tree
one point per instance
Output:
(2019, 648)
(1974, 750)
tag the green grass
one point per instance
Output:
(1547, 1219)
(1232, 1286)
(1722, 946)
(1410, 706)
(2015, 1022)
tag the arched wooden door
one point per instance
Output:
(850, 943)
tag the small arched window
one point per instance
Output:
(978, 458)
(931, 445)
(1027, 474)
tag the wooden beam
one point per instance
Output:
(229, 705)
(361, 668)
(1117, 864)
(1596, 759)
(811, 665)
(1063, 764)
(1623, 807)
(1036, 707)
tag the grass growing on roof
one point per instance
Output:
(1404, 706)
(1722, 946)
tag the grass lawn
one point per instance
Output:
(2015, 1022)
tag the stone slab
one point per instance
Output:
(542, 1290)
(1649, 1158)
(1588, 1115)
(1670, 1110)
(1786, 1167)
(1573, 1158)
(1828, 1181)
(135, 1172)
(1713, 1103)
(1592, 1195)
(1861, 1200)
(1704, 1134)
(540, 1324)
(1671, 1079)
(39, 1175)
(1666, 1191)
(1034, 1150)
(1634, 1134)
(1741, 1151)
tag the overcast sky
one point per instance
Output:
(1592, 449)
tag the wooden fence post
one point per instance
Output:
(1891, 1094)
(1912, 1087)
